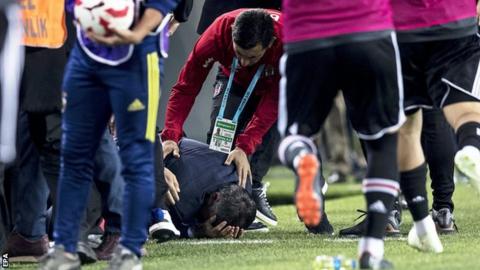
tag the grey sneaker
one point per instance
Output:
(392, 228)
(124, 259)
(367, 261)
(86, 253)
(444, 221)
(58, 259)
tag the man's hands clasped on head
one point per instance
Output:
(221, 230)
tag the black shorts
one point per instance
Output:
(439, 73)
(367, 72)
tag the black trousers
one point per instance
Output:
(4, 215)
(45, 130)
(160, 185)
(46, 134)
(439, 145)
(4, 220)
(261, 159)
(7, 28)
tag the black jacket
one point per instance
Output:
(199, 171)
(183, 10)
(214, 8)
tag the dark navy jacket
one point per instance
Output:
(199, 171)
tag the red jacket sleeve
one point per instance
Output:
(262, 120)
(189, 84)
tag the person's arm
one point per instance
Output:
(163, 6)
(69, 5)
(189, 84)
(478, 12)
(183, 10)
(264, 117)
(155, 10)
(172, 195)
(151, 18)
(180, 15)
(262, 120)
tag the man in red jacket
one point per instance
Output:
(247, 41)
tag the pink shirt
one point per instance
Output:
(414, 14)
(318, 19)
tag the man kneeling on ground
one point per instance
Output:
(205, 198)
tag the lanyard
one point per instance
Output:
(247, 93)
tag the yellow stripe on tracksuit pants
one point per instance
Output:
(153, 94)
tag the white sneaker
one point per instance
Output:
(164, 230)
(467, 162)
(123, 259)
(429, 242)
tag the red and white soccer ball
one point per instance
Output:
(100, 15)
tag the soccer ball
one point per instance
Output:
(100, 15)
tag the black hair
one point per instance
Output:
(235, 206)
(252, 27)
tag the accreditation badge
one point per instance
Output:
(223, 134)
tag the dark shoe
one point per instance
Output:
(324, 227)
(20, 249)
(257, 227)
(444, 221)
(391, 230)
(124, 259)
(264, 211)
(308, 194)
(86, 253)
(368, 262)
(109, 242)
(58, 259)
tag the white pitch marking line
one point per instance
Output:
(220, 242)
(357, 239)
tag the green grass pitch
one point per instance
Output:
(288, 246)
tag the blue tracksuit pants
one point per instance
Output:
(93, 91)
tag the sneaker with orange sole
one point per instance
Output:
(308, 196)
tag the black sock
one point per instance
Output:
(380, 184)
(379, 205)
(469, 134)
(413, 184)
